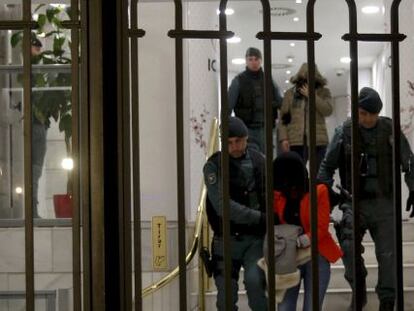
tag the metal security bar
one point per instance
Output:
(84, 165)
(267, 54)
(179, 34)
(135, 33)
(394, 37)
(310, 36)
(74, 26)
(28, 197)
(124, 147)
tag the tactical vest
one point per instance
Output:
(246, 103)
(240, 193)
(375, 160)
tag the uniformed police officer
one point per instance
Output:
(247, 218)
(246, 98)
(376, 190)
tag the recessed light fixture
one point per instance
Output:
(299, 1)
(238, 61)
(234, 39)
(58, 5)
(290, 59)
(296, 19)
(19, 190)
(292, 44)
(286, 81)
(370, 9)
(67, 164)
(288, 72)
(229, 11)
(345, 60)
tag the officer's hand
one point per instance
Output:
(303, 241)
(284, 144)
(263, 219)
(410, 204)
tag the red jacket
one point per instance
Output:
(326, 244)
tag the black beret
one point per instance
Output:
(369, 100)
(253, 52)
(237, 128)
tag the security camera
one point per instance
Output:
(339, 72)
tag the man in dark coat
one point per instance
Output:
(246, 98)
(247, 218)
(375, 193)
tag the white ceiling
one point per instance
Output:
(331, 20)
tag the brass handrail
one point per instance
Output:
(212, 147)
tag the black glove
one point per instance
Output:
(410, 204)
(263, 220)
(286, 118)
(207, 261)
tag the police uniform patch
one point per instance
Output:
(211, 178)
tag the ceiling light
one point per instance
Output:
(67, 164)
(290, 59)
(292, 44)
(234, 39)
(229, 11)
(298, 1)
(288, 72)
(345, 60)
(370, 9)
(286, 81)
(238, 61)
(19, 190)
(296, 19)
(58, 5)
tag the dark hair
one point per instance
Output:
(289, 172)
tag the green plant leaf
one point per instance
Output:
(57, 45)
(51, 13)
(41, 21)
(57, 22)
(51, 33)
(65, 123)
(16, 38)
(39, 7)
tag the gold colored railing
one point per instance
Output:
(199, 233)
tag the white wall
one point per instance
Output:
(203, 92)
(157, 111)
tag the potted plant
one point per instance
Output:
(53, 103)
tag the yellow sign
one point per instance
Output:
(159, 243)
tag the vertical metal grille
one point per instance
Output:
(269, 122)
(28, 197)
(86, 176)
(310, 36)
(136, 33)
(84, 167)
(394, 37)
(74, 26)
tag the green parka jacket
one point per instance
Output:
(294, 131)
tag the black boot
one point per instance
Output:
(364, 298)
(386, 305)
